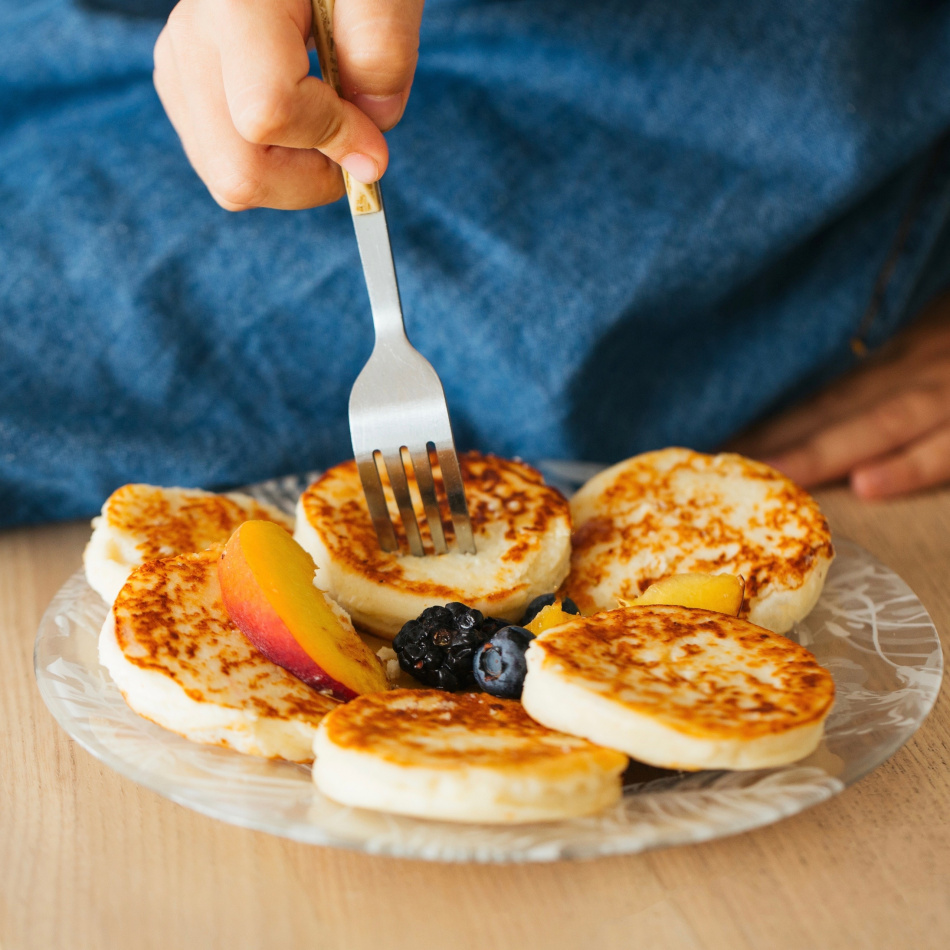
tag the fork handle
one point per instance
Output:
(364, 199)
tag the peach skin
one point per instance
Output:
(268, 590)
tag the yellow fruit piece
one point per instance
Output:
(268, 591)
(547, 617)
(720, 592)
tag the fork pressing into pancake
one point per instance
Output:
(398, 414)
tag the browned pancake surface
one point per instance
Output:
(170, 618)
(701, 672)
(500, 492)
(664, 517)
(174, 521)
(432, 728)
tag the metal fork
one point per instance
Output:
(398, 413)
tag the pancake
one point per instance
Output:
(178, 660)
(142, 522)
(678, 512)
(522, 531)
(679, 688)
(459, 757)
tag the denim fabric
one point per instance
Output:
(617, 226)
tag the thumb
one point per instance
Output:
(377, 44)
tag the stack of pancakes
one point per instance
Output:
(670, 686)
(168, 642)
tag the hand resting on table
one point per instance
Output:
(885, 426)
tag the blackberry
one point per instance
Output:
(438, 646)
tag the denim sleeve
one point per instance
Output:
(617, 226)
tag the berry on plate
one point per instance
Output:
(500, 665)
(438, 646)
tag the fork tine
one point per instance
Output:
(455, 489)
(400, 487)
(423, 469)
(376, 502)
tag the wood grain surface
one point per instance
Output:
(90, 860)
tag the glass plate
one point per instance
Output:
(869, 630)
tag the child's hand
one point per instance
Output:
(885, 426)
(259, 131)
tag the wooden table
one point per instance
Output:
(90, 860)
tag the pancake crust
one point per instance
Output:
(679, 688)
(143, 522)
(459, 757)
(522, 533)
(676, 511)
(179, 660)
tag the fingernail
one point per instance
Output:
(383, 110)
(361, 167)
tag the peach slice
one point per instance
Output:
(268, 591)
(720, 592)
(548, 617)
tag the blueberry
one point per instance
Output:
(536, 606)
(499, 664)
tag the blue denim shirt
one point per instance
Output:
(617, 226)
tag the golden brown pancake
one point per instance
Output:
(179, 660)
(676, 512)
(678, 687)
(459, 757)
(143, 522)
(521, 528)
